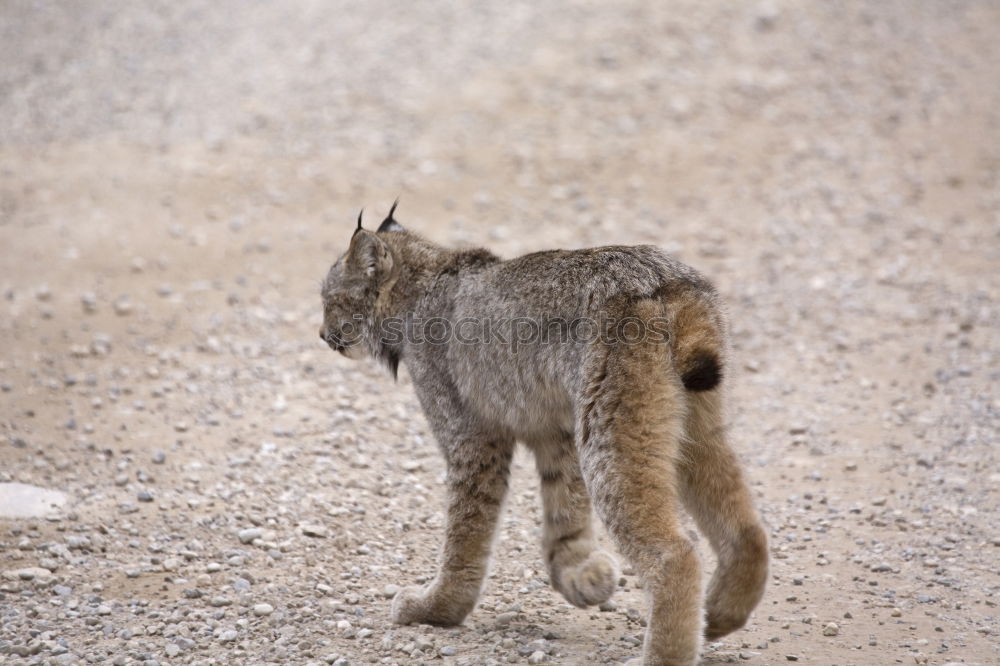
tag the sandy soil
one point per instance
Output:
(175, 178)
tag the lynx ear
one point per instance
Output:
(370, 255)
(389, 223)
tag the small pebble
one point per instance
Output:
(249, 534)
(503, 619)
(317, 531)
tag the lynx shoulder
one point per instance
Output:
(607, 363)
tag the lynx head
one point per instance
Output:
(351, 289)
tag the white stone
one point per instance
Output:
(27, 573)
(318, 531)
(20, 500)
(249, 534)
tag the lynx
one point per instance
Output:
(629, 425)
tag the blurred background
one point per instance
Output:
(176, 177)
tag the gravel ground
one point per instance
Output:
(175, 178)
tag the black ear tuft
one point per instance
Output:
(390, 224)
(359, 220)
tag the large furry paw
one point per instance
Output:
(406, 606)
(737, 586)
(413, 605)
(719, 623)
(591, 581)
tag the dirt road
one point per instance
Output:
(175, 178)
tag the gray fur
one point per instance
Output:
(611, 423)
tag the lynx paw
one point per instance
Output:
(590, 582)
(412, 605)
(406, 606)
(720, 624)
(737, 586)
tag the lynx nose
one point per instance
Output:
(322, 335)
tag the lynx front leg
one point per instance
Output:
(584, 575)
(477, 482)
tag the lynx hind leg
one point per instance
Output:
(630, 427)
(583, 574)
(718, 498)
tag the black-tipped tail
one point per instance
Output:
(703, 371)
